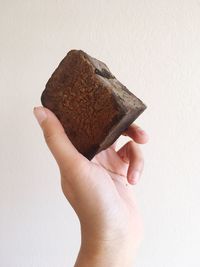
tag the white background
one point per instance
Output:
(153, 47)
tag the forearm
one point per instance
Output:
(101, 256)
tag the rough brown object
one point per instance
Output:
(91, 104)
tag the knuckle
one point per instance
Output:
(49, 138)
(52, 137)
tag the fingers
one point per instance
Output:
(113, 146)
(137, 134)
(61, 147)
(132, 155)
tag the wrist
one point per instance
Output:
(109, 243)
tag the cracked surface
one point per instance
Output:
(90, 102)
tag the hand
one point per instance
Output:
(100, 192)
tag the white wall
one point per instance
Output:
(153, 46)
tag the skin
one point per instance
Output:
(101, 193)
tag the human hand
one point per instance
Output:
(100, 192)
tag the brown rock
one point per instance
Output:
(91, 104)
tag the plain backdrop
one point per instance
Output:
(153, 47)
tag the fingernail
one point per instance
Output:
(135, 177)
(141, 131)
(40, 114)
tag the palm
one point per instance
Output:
(105, 181)
(114, 196)
(115, 169)
(113, 165)
(109, 166)
(111, 162)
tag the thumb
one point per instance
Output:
(59, 144)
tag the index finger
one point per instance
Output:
(137, 134)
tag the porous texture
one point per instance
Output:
(91, 104)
